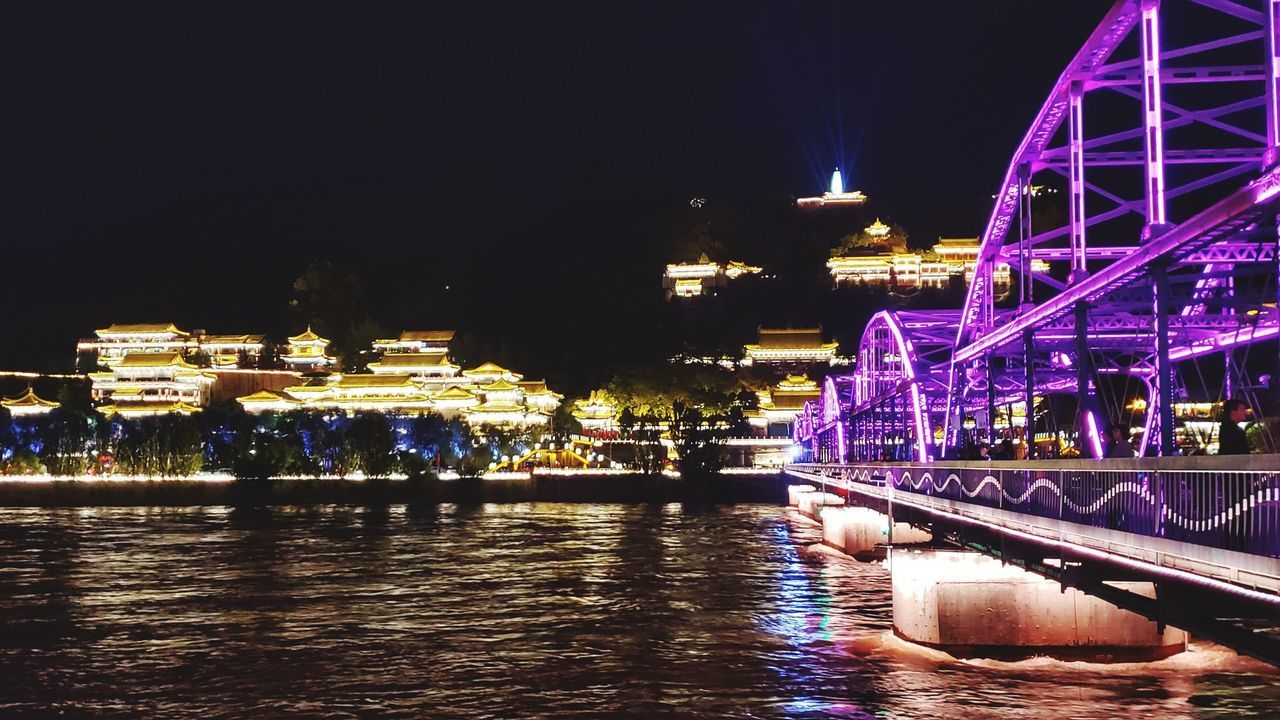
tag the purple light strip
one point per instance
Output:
(1152, 111)
(1095, 439)
(1273, 73)
(1075, 129)
(1223, 211)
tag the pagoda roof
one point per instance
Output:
(230, 339)
(413, 359)
(537, 387)
(790, 401)
(958, 242)
(140, 329)
(877, 229)
(307, 336)
(778, 338)
(496, 407)
(154, 359)
(265, 395)
(454, 393)
(796, 384)
(149, 408)
(311, 384)
(487, 369)
(499, 385)
(416, 398)
(370, 380)
(29, 399)
(426, 336)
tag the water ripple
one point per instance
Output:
(504, 611)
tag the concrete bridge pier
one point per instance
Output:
(810, 501)
(863, 532)
(971, 605)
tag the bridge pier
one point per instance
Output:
(859, 531)
(970, 605)
(810, 501)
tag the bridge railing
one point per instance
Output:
(1212, 502)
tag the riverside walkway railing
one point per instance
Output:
(1201, 510)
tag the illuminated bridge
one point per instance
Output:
(1148, 184)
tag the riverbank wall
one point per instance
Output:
(584, 487)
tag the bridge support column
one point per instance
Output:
(971, 605)
(1164, 365)
(859, 531)
(811, 504)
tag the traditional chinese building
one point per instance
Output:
(778, 406)
(790, 348)
(150, 383)
(27, 404)
(703, 276)
(112, 343)
(596, 413)
(881, 264)
(415, 374)
(835, 197)
(416, 341)
(307, 352)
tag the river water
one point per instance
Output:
(508, 611)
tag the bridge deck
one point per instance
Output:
(1212, 527)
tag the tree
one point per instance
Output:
(372, 444)
(67, 441)
(332, 300)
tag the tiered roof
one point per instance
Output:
(28, 403)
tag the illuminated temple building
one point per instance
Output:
(415, 374)
(596, 413)
(307, 352)
(416, 341)
(882, 264)
(703, 277)
(151, 383)
(787, 348)
(111, 344)
(778, 406)
(834, 197)
(28, 403)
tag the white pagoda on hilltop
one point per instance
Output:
(835, 196)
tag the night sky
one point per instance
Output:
(186, 161)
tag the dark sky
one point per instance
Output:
(186, 161)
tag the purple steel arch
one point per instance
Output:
(1098, 315)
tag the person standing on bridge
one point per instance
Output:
(1117, 443)
(1231, 439)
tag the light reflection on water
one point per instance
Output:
(506, 611)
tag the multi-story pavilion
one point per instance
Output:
(795, 349)
(148, 383)
(307, 352)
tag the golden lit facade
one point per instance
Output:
(150, 383)
(778, 406)
(112, 343)
(416, 341)
(415, 374)
(949, 257)
(597, 413)
(787, 347)
(702, 277)
(307, 352)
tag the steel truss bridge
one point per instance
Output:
(1163, 134)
